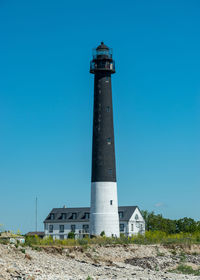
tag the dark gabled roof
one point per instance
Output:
(127, 213)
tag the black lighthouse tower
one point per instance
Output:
(104, 204)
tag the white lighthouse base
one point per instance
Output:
(104, 209)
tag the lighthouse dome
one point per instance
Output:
(102, 46)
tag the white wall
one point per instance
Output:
(138, 224)
(103, 215)
(67, 228)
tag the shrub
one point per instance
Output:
(102, 233)
(71, 235)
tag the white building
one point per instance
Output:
(61, 221)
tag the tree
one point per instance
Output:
(186, 225)
(157, 222)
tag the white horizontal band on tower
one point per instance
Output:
(104, 209)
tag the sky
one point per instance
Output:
(46, 105)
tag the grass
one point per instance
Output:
(150, 237)
(182, 257)
(186, 269)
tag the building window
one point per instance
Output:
(73, 228)
(63, 216)
(108, 109)
(108, 141)
(107, 80)
(131, 227)
(136, 217)
(121, 215)
(85, 228)
(110, 171)
(50, 228)
(111, 202)
(121, 226)
(87, 215)
(74, 216)
(61, 237)
(61, 228)
(52, 216)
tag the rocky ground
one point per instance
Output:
(142, 262)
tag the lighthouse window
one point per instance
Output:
(111, 202)
(108, 141)
(110, 171)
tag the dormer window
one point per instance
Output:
(63, 216)
(87, 215)
(52, 216)
(74, 216)
(121, 215)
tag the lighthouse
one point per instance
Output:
(104, 202)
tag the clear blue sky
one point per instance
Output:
(46, 100)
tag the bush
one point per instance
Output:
(71, 235)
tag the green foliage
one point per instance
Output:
(83, 241)
(182, 257)
(89, 278)
(4, 241)
(185, 269)
(150, 237)
(158, 223)
(102, 233)
(71, 235)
